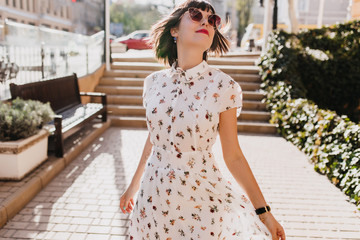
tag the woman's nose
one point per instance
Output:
(204, 20)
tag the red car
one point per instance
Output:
(135, 40)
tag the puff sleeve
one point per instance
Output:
(231, 96)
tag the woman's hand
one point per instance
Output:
(127, 199)
(276, 230)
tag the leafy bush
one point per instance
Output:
(320, 65)
(332, 142)
(23, 118)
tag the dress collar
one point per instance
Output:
(190, 74)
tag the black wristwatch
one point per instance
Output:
(263, 210)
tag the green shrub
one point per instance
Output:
(331, 141)
(320, 64)
(23, 118)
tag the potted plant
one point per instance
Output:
(23, 138)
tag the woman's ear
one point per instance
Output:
(174, 32)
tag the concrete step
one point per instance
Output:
(242, 126)
(232, 61)
(259, 116)
(254, 96)
(242, 55)
(230, 69)
(256, 127)
(249, 86)
(126, 110)
(149, 66)
(137, 110)
(254, 105)
(212, 61)
(121, 81)
(138, 90)
(128, 121)
(123, 58)
(120, 90)
(144, 66)
(127, 73)
(125, 99)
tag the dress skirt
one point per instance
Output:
(190, 199)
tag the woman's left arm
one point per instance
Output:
(240, 169)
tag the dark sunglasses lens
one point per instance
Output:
(214, 20)
(195, 15)
(211, 20)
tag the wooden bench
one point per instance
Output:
(64, 97)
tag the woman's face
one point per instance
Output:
(195, 34)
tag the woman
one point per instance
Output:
(183, 195)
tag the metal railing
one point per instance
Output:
(30, 54)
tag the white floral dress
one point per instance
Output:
(183, 195)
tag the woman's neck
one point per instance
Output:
(189, 58)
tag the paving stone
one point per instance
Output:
(77, 236)
(25, 234)
(92, 236)
(82, 228)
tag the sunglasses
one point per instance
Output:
(213, 19)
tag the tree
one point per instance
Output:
(244, 8)
(134, 16)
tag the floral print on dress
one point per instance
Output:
(183, 194)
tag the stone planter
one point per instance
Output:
(18, 158)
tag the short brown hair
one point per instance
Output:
(163, 43)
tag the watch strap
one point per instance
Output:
(263, 210)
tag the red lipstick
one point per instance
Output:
(203, 31)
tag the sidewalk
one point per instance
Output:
(82, 201)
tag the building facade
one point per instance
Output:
(307, 12)
(79, 16)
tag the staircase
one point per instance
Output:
(124, 85)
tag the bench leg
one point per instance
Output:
(59, 146)
(104, 103)
(104, 115)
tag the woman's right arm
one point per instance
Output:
(140, 169)
(128, 195)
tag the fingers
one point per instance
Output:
(126, 206)
(122, 204)
(282, 234)
(129, 206)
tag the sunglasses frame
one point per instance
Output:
(216, 20)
